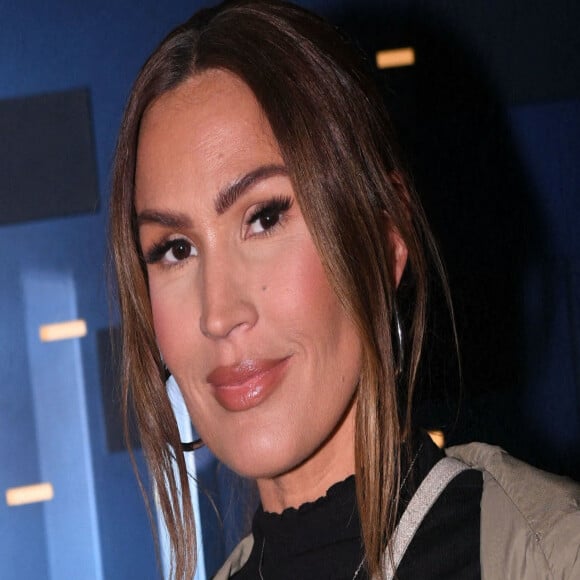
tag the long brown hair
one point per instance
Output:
(338, 146)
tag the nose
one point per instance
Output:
(227, 305)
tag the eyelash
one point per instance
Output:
(276, 206)
(158, 251)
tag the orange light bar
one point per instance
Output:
(63, 330)
(438, 437)
(29, 494)
(396, 57)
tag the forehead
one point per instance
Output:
(207, 131)
(212, 105)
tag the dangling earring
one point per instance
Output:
(192, 445)
(398, 343)
(166, 372)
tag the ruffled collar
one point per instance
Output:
(322, 539)
(330, 518)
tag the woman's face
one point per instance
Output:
(245, 317)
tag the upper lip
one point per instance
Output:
(240, 372)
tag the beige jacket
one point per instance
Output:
(530, 520)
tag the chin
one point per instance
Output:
(262, 459)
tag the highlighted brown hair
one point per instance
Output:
(338, 146)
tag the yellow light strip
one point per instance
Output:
(29, 494)
(395, 58)
(63, 330)
(438, 437)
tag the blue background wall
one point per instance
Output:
(51, 408)
(496, 158)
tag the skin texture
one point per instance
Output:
(242, 294)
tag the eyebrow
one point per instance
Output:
(232, 192)
(168, 219)
(225, 198)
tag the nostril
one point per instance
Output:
(223, 327)
(219, 318)
(227, 299)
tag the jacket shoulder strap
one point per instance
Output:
(441, 474)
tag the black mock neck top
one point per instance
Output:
(321, 540)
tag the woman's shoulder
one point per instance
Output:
(530, 519)
(236, 559)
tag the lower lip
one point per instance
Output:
(252, 392)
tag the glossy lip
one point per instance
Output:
(246, 384)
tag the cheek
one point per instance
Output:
(304, 290)
(172, 317)
(318, 290)
(316, 302)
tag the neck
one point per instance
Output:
(334, 461)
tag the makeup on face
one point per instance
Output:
(245, 385)
(243, 311)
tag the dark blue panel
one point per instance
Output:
(47, 161)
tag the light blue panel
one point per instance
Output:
(62, 429)
(187, 434)
(22, 526)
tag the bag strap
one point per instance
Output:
(441, 474)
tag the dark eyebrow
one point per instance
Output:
(168, 219)
(229, 194)
(225, 198)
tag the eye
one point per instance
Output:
(171, 252)
(268, 215)
(179, 250)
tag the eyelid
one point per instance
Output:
(158, 250)
(279, 204)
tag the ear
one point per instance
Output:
(399, 254)
(399, 250)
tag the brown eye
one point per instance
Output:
(179, 250)
(171, 252)
(268, 215)
(267, 219)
